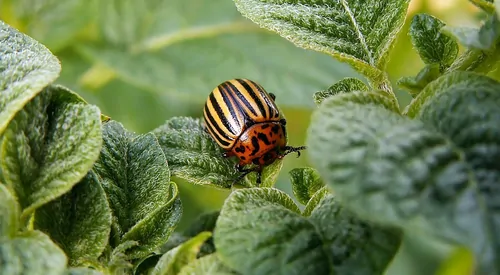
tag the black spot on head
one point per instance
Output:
(265, 126)
(264, 139)
(240, 149)
(256, 146)
(275, 128)
(243, 158)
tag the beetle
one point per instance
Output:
(243, 119)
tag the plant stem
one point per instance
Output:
(476, 60)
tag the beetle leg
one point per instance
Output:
(273, 96)
(290, 149)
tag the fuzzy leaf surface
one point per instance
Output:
(49, 146)
(194, 156)
(358, 32)
(483, 38)
(433, 46)
(210, 264)
(469, 116)
(9, 213)
(31, 253)
(26, 67)
(345, 85)
(82, 224)
(400, 172)
(261, 231)
(135, 176)
(416, 84)
(174, 260)
(305, 183)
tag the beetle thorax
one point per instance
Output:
(260, 143)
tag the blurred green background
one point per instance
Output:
(143, 62)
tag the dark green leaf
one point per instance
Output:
(78, 221)
(484, 38)
(415, 84)
(135, 175)
(193, 155)
(174, 260)
(210, 264)
(305, 183)
(204, 222)
(26, 67)
(433, 46)
(469, 115)
(260, 231)
(396, 171)
(9, 213)
(356, 247)
(31, 253)
(49, 146)
(358, 32)
(345, 85)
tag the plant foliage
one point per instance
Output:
(81, 194)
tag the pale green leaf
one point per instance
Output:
(486, 5)
(366, 98)
(210, 264)
(31, 253)
(49, 146)
(78, 221)
(396, 171)
(82, 271)
(416, 84)
(305, 183)
(314, 201)
(9, 213)
(469, 115)
(26, 67)
(461, 262)
(194, 156)
(358, 32)
(484, 38)
(134, 173)
(260, 231)
(169, 54)
(174, 260)
(345, 85)
(356, 247)
(54, 23)
(433, 46)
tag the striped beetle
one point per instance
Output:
(243, 119)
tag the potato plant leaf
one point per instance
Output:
(358, 32)
(135, 176)
(401, 172)
(305, 183)
(82, 224)
(486, 5)
(484, 38)
(174, 260)
(82, 271)
(416, 84)
(194, 156)
(433, 46)
(315, 200)
(210, 264)
(9, 213)
(49, 146)
(345, 85)
(367, 98)
(26, 67)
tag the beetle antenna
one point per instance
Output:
(290, 149)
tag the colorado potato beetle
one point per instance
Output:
(243, 119)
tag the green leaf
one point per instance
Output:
(356, 247)
(486, 5)
(433, 46)
(468, 115)
(82, 271)
(54, 23)
(314, 201)
(305, 183)
(134, 173)
(358, 32)
(461, 262)
(416, 84)
(210, 264)
(484, 38)
(368, 98)
(397, 171)
(260, 231)
(345, 85)
(174, 260)
(82, 222)
(26, 68)
(31, 253)
(204, 222)
(49, 146)
(453, 80)
(193, 155)
(9, 213)
(169, 55)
